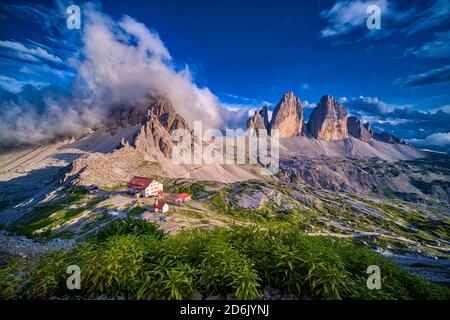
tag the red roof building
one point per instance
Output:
(145, 186)
(182, 197)
(139, 183)
(161, 206)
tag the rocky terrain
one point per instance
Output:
(337, 178)
(338, 152)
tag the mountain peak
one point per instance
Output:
(288, 116)
(328, 120)
(288, 95)
(327, 99)
(260, 120)
(358, 130)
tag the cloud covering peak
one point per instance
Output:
(118, 64)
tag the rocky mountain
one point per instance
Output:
(137, 140)
(259, 121)
(328, 121)
(158, 125)
(368, 127)
(388, 138)
(288, 116)
(358, 130)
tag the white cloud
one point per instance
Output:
(435, 139)
(306, 104)
(439, 47)
(305, 87)
(119, 64)
(29, 54)
(26, 70)
(15, 86)
(125, 61)
(371, 105)
(434, 15)
(346, 16)
(148, 40)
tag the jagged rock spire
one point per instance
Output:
(328, 120)
(288, 116)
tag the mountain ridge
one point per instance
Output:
(329, 121)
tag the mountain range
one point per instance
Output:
(329, 121)
(332, 150)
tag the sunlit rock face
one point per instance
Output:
(288, 116)
(328, 121)
(259, 121)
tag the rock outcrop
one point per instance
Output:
(259, 121)
(328, 121)
(383, 136)
(288, 117)
(368, 127)
(156, 129)
(165, 113)
(388, 138)
(357, 129)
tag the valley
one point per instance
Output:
(385, 196)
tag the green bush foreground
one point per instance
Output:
(136, 260)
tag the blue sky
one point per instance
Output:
(248, 53)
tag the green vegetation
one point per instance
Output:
(136, 211)
(388, 192)
(136, 260)
(74, 196)
(195, 188)
(45, 218)
(113, 188)
(129, 227)
(192, 214)
(216, 203)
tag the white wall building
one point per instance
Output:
(144, 186)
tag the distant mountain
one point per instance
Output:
(329, 121)
(259, 121)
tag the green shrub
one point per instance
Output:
(246, 283)
(48, 278)
(11, 279)
(130, 226)
(113, 267)
(168, 280)
(136, 260)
